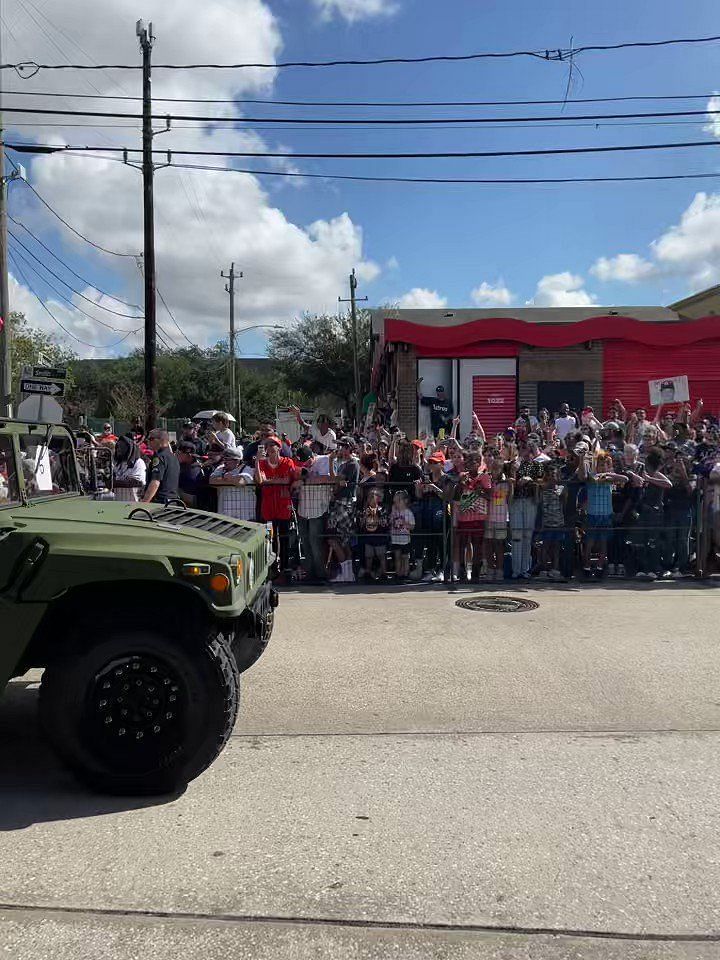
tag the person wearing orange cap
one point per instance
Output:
(275, 476)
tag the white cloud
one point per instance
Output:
(625, 268)
(692, 247)
(487, 295)
(713, 124)
(561, 290)
(419, 298)
(203, 219)
(354, 10)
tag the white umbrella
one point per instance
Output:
(209, 414)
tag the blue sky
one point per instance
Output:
(419, 244)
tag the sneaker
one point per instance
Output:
(611, 569)
(640, 575)
(428, 577)
(555, 575)
(438, 578)
(543, 575)
(651, 576)
(666, 575)
(620, 568)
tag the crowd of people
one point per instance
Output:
(557, 494)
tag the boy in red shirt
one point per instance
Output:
(471, 508)
(275, 475)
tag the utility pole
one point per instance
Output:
(5, 367)
(353, 301)
(145, 35)
(231, 277)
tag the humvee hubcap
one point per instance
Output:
(136, 698)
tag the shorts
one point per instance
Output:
(374, 540)
(549, 535)
(403, 548)
(476, 530)
(496, 531)
(599, 527)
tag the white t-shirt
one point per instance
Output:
(239, 502)
(401, 524)
(226, 437)
(564, 425)
(138, 471)
(327, 439)
(315, 498)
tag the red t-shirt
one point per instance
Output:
(473, 507)
(275, 500)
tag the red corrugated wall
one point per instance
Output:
(494, 401)
(627, 367)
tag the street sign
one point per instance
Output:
(49, 373)
(40, 410)
(48, 388)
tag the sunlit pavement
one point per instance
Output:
(408, 779)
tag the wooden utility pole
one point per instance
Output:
(353, 301)
(144, 33)
(231, 277)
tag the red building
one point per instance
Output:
(494, 361)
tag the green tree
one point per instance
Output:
(316, 355)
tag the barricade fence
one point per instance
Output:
(409, 532)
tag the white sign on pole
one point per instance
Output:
(669, 390)
(40, 409)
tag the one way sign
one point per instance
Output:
(48, 388)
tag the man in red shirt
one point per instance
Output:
(471, 507)
(274, 475)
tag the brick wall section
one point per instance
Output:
(407, 390)
(566, 363)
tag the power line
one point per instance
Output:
(450, 180)
(72, 229)
(551, 54)
(438, 155)
(52, 273)
(69, 268)
(95, 346)
(63, 296)
(172, 317)
(364, 103)
(351, 121)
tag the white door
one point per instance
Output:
(469, 369)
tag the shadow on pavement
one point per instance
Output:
(34, 786)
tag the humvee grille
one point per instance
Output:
(220, 526)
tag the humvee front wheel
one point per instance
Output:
(139, 712)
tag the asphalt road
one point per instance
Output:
(407, 780)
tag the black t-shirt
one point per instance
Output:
(403, 478)
(165, 468)
(191, 478)
(440, 411)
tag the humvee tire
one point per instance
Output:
(140, 712)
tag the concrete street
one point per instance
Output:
(407, 780)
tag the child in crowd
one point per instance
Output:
(373, 525)
(471, 507)
(600, 482)
(497, 517)
(552, 521)
(402, 524)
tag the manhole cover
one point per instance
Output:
(497, 604)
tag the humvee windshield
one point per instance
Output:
(48, 465)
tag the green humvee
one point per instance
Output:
(142, 616)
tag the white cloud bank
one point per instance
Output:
(203, 219)
(487, 295)
(561, 290)
(354, 10)
(420, 298)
